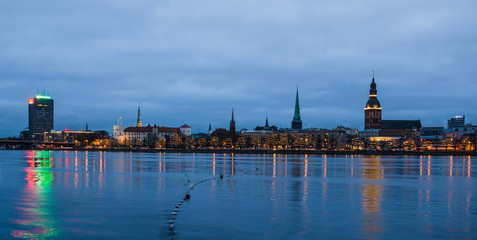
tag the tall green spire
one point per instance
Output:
(297, 116)
(297, 123)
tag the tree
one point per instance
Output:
(283, 142)
(227, 143)
(240, 142)
(409, 144)
(465, 144)
(137, 142)
(400, 143)
(190, 142)
(203, 142)
(176, 140)
(271, 141)
(390, 145)
(418, 144)
(299, 143)
(214, 142)
(161, 143)
(256, 142)
(447, 143)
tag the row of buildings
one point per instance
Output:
(147, 133)
(41, 125)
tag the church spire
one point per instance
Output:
(297, 123)
(210, 128)
(297, 116)
(266, 123)
(232, 123)
(138, 124)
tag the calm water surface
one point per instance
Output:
(106, 195)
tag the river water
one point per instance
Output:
(111, 195)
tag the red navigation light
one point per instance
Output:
(31, 100)
(66, 129)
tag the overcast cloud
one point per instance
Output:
(192, 61)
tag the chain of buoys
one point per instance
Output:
(174, 213)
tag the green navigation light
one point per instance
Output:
(42, 97)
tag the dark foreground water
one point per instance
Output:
(105, 195)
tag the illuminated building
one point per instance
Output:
(458, 121)
(118, 130)
(432, 132)
(147, 133)
(40, 116)
(186, 130)
(71, 136)
(297, 123)
(387, 128)
(372, 112)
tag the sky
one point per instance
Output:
(192, 61)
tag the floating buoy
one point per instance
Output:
(221, 176)
(244, 171)
(171, 226)
(173, 213)
(187, 196)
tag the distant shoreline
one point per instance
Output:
(263, 151)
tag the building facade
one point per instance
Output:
(401, 128)
(458, 121)
(40, 116)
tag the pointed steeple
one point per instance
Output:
(139, 123)
(297, 116)
(266, 123)
(297, 123)
(210, 128)
(232, 123)
(87, 127)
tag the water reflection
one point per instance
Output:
(36, 218)
(367, 195)
(372, 193)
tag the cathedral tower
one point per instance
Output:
(372, 112)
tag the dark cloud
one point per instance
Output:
(192, 61)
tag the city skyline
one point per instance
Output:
(253, 60)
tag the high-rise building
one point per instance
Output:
(372, 112)
(40, 116)
(458, 121)
(296, 122)
(232, 123)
